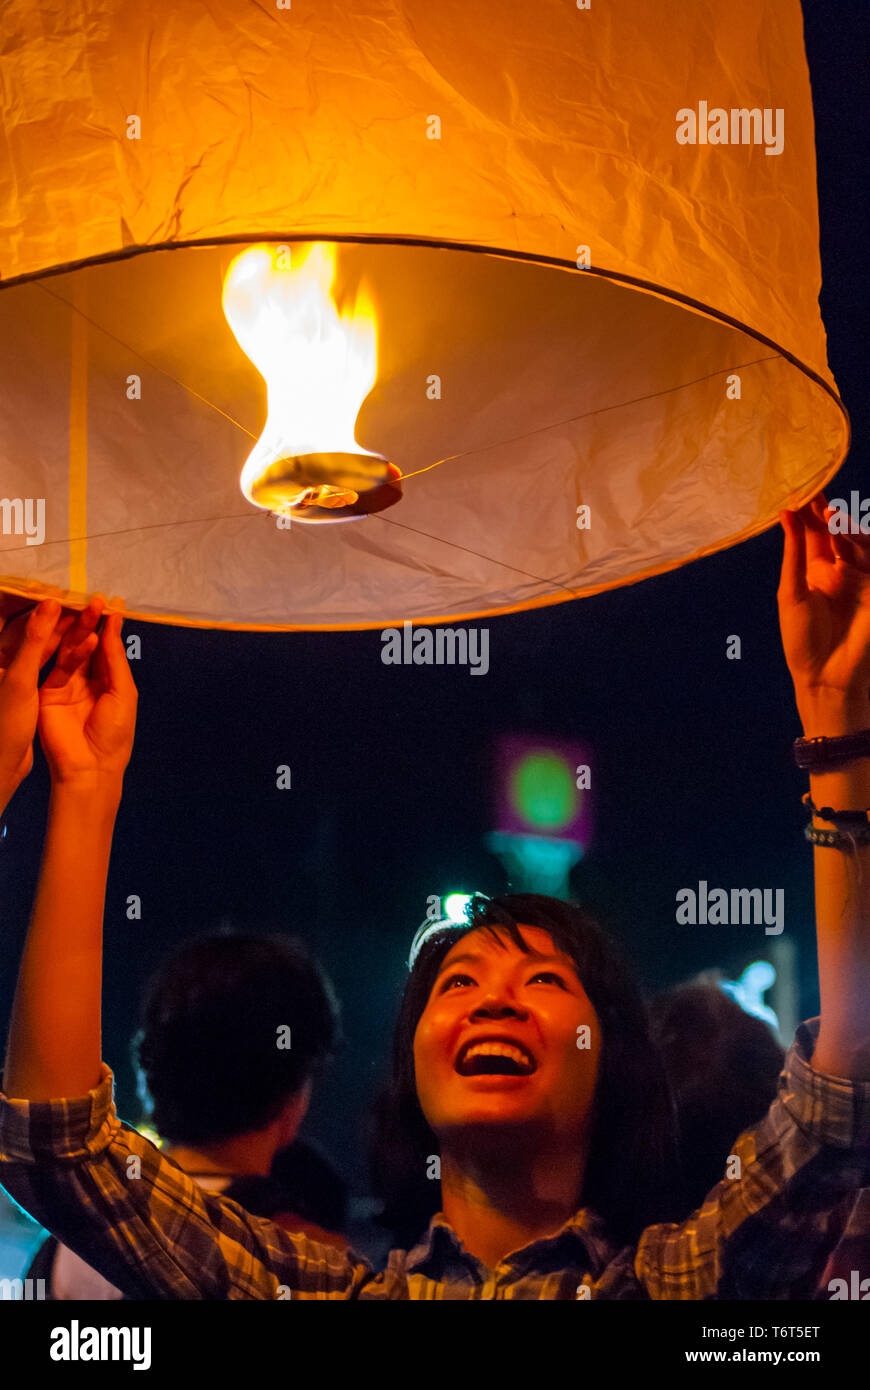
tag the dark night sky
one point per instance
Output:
(390, 796)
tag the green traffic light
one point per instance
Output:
(542, 790)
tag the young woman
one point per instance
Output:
(514, 1048)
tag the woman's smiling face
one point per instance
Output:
(499, 1042)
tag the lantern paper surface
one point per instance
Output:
(457, 157)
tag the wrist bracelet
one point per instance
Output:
(834, 839)
(820, 754)
(852, 828)
(848, 818)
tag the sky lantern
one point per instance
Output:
(340, 316)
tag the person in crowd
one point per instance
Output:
(524, 1080)
(722, 1066)
(225, 1096)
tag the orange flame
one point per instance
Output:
(318, 365)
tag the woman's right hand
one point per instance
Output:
(824, 615)
(87, 704)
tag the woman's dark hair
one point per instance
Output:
(722, 1066)
(208, 1048)
(631, 1178)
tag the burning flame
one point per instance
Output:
(318, 365)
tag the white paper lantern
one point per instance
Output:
(575, 305)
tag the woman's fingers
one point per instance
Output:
(113, 657)
(10, 636)
(793, 580)
(67, 679)
(86, 621)
(76, 648)
(855, 550)
(71, 658)
(14, 629)
(61, 627)
(29, 638)
(849, 553)
(77, 644)
(818, 537)
(35, 646)
(835, 563)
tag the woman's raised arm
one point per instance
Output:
(87, 716)
(824, 610)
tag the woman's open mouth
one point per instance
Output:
(494, 1057)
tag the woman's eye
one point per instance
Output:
(456, 979)
(549, 975)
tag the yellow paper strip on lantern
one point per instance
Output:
(78, 443)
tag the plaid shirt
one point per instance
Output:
(143, 1223)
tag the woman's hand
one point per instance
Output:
(824, 615)
(27, 641)
(87, 704)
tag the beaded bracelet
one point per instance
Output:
(833, 839)
(855, 826)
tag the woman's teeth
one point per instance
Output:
(495, 1057)
(498, 1050)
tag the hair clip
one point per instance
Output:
(455, 909)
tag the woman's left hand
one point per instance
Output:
(27, 641)
(824, 615)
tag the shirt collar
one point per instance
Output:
(583, 1236)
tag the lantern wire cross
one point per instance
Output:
(230, 516)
